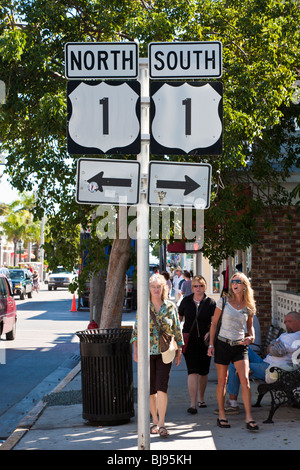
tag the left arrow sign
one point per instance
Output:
(97, 182)
(103, 181)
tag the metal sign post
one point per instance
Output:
(103, 117)
(143, 270)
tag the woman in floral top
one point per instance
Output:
(167, 318)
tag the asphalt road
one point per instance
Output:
(46, 348)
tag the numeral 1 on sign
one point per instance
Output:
(188, 115)
(104, 102)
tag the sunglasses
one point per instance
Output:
(237, 281)
(199, 285)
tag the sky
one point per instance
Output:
(7, 193)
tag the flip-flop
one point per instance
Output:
(223, 423)
(163, 432)
(254, 426)
(154, 429)
(202, 404)
(192, 410)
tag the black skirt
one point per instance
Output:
(196, 358)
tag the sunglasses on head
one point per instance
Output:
(238, 281)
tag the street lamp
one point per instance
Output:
(20, 251)
(1, 258)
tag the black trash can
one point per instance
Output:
(106, 375)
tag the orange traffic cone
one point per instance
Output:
(73, 309)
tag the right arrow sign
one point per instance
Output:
(179, 184)
(189, 185)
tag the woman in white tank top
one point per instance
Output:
(230, 344)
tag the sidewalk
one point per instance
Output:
(58, 423)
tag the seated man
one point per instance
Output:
(280, 353)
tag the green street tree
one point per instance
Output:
(260, 65)
(19, 225)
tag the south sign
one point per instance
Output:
(185, 59)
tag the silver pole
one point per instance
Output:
(143, 342)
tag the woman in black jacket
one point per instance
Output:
(197, 310)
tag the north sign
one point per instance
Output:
(185, 59)
(101, 181)
(179, 184)
(101, 60)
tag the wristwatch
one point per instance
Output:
(210, 346)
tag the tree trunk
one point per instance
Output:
(97, 290)
(111, 316)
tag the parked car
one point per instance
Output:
(22, 282)
(8, 310)
(153, 268)
(6, 273)
(60, 278)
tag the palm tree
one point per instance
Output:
(3, 208)
(19, 224)
(32, 233)
(14, 228)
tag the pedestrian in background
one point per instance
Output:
(177, 278)
(169, 283)
(186, 286)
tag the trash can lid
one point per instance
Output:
(105, 335)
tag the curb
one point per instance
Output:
(29, 420)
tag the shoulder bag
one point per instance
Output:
(166, 342)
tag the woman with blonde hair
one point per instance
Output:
(165, 313)
(231, 343)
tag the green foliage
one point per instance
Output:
(260, 61)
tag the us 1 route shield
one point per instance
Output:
(186, 118)
(103, 117)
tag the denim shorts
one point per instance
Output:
(225, 354)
